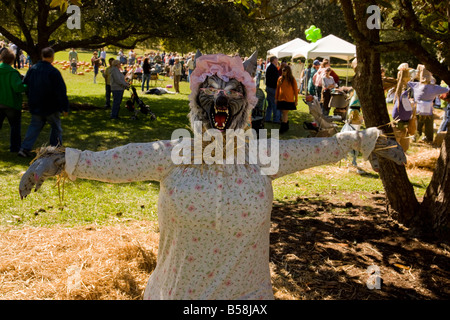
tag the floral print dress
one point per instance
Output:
(214, 219)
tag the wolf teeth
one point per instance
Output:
(217, 110)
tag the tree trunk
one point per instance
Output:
(35, 54)
(402, 203)
(435, 208)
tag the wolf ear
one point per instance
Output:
(250, 64)
(197, 55)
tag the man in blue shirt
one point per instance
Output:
(311, 86)
(47, 99)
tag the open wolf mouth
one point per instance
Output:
(219, 117)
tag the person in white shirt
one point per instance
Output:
(328, 84)
(190, 66)
(103, 57)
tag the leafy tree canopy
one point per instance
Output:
(35, 24)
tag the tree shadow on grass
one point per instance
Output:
(324, 252)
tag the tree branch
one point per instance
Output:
(17, 11)
(417, 26)
(91, 42)
(42, 16)
(284, 11)
(349, 16)
(13, 38)
(416, 48)
(58, 22)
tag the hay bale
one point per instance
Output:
(111, 262)
(425, 159)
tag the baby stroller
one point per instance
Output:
(340, 101)
(259, 111)
(136, 105)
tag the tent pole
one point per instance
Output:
(306, 81)
(346, 80)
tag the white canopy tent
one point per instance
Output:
(291, 47)
(330, 46)
(286, 49)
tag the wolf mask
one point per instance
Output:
(223, 92)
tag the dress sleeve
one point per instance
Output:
(294, 85)
(299, 154)
(132, 162)
(440, 90)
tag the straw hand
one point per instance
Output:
(388, 149)
(49, 162)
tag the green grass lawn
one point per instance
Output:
(88, 202)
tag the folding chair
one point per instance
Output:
(324, 125)
(155, 77)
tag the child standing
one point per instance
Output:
(73, 64)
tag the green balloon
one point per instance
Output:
(309, 30)
(313, 33)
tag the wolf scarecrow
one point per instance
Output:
(214, 218)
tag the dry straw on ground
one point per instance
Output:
(111, 262)
(426, 159)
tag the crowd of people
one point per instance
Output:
(20, 59)
(122, 70)
(319, 79)
(282, 88)
(47, 93)
(140, 67)
(47, 100)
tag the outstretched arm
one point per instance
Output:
(132, 162)
(299, 154)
